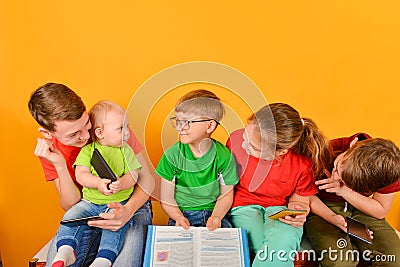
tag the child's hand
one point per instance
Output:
(332, 184)
(182, 221)
(213, 223)
(116, 186)
(339, 221)
(298, 220)
(102, 186)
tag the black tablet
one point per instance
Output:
(80, 221)
(358, 230)
(101, 166)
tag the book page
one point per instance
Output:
(195, 247)
(174, 246)
(221, 247)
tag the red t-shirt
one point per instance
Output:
(341, 145)
(71, 152)
(269, 183)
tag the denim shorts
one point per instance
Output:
(199, 218)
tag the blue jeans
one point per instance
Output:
(71, 235)
(199, 218)
(131, 254)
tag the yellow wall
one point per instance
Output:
(335, 61)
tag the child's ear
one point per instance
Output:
(99, 133)
(211, 126)
(46, 133)
(354, 141)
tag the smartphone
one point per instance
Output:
(80, 221)
(101, 166)
(286, 212)
(358, 230)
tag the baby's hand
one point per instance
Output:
(102, 186)
(182, 221)
(116, 186)
(213, 223)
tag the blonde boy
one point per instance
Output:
(198, 173)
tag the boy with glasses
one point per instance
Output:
(198, 173)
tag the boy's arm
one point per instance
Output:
(123, 213)
(319, 208)
(222, 206)
(68, 192)
(169, 204)
(378, 206)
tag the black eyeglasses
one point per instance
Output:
(185, 124)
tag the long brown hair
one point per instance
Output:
(282, 125)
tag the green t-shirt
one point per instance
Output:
(121, 161)
(197, 180)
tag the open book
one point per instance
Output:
(197, 246)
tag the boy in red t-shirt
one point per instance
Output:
(365, 176)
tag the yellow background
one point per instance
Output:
(335, 61)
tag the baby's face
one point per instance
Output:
(115, 131)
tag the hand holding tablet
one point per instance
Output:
(101, 166)
(358, 230)
(286, 212)
(83, 220)
(80, 221)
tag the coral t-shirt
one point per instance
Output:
(269, 183)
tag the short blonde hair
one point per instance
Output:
(98, 114)
(202, 103)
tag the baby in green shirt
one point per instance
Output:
(109, 133)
